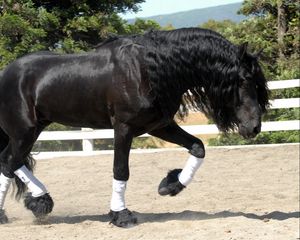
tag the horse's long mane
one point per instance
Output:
(204, 66)
(194, 57)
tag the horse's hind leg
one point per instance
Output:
(16, 163)
(178, 179)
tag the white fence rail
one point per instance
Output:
(284, 103)
(87, 135)
(284, 84)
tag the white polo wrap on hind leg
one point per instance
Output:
(117, 202)
(36, 188)
(189, 170)
(5, 183)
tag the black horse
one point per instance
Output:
(135, 85)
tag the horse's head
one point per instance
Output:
(252, 94)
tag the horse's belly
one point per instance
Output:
(99, 121)
(74, 110)
(82, 118)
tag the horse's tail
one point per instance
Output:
(3, 141)
(3, 136)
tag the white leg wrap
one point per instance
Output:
(4, 186)
(118, 195)
(36, 188)
(189, 170)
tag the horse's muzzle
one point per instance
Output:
(249, 131)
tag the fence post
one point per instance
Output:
(87, 144)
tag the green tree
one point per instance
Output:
(285, 17)
(140, 26)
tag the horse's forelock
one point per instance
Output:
(251, 71)
(261, 86)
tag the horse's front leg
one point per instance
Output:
(119, 214)
(178, 179)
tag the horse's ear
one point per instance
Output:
(243, 50)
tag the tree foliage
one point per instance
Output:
(285, 17)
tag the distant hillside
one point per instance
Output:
(196, 17)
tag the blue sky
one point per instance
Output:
(158, 7)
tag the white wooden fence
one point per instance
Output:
(87, 135)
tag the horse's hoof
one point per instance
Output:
(124, 218)
(3, 217)
(40, 206)
(170, 184)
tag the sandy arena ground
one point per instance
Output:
(244, 193)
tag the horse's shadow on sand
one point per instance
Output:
(165, 217)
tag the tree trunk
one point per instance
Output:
(281, 27)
